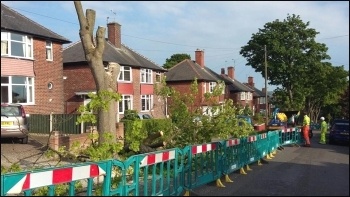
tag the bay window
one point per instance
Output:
(17, 89)
(146, 102)
(125, 103)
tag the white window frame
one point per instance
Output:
(49, 51)
(124, 70)
(125, 100)
(262, 100)
(28, 85)
(242, 94)
(146, 75)
(158, 76)
(146, 103)
(27, 45)
(205, 87)
(212, 86)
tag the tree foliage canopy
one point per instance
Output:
(297, 64)
(291, 52)
(175, 59)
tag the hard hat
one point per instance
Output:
(322, 118)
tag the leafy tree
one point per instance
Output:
(344, 103)
(324, 88)
(105, 80)
(192, 126)
(291, 50)
(175, 59)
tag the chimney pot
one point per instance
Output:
(231, 72)
(200, 57)
(114, 34)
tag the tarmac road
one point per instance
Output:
(321, 170)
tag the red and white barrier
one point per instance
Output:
(251, 138)
(157, 158)
(232, 142)
(203, 148)
(53, 177)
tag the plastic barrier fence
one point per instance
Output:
(15, 183)
(201, 164)
(171, 172)
(154, 174)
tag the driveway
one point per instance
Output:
(27, 155)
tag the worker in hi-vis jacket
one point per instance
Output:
(306, 130)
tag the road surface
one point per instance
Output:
(321, 170)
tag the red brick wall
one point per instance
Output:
(79, 78)
(47, 101)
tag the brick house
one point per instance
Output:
(258, 97)
(240, 94)
(31, 64)
(135, 81)
(182, 75)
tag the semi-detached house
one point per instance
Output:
(31, 64)
(135, 83)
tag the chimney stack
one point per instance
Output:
(200, 57)
(114, 34)
(231, 72)
(222, 71)
(251, 81)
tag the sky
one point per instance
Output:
(159, 29)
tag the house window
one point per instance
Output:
(146, 102)
(125, 103)
(146, 75)
(158, 77)
(16, 45)
(125, 74)
(250, 96)
(49, 50)
(242, 96)
(262, 100)
(212, 86)
(17, 89)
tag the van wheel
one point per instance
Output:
(25, 140)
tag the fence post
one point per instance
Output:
(82, 127)
(51, 122)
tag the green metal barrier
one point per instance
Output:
(154, 174)
(249, 150)
(262, 145)
(201, 165)
(231, 157)
(168, 172)
(28, 181)
(274, 141)
(114, 185)
(289, 136)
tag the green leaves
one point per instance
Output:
(175, 59)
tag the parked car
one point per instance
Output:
(144, 116)
(339, 133)
(14, 122)
(338, 120)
